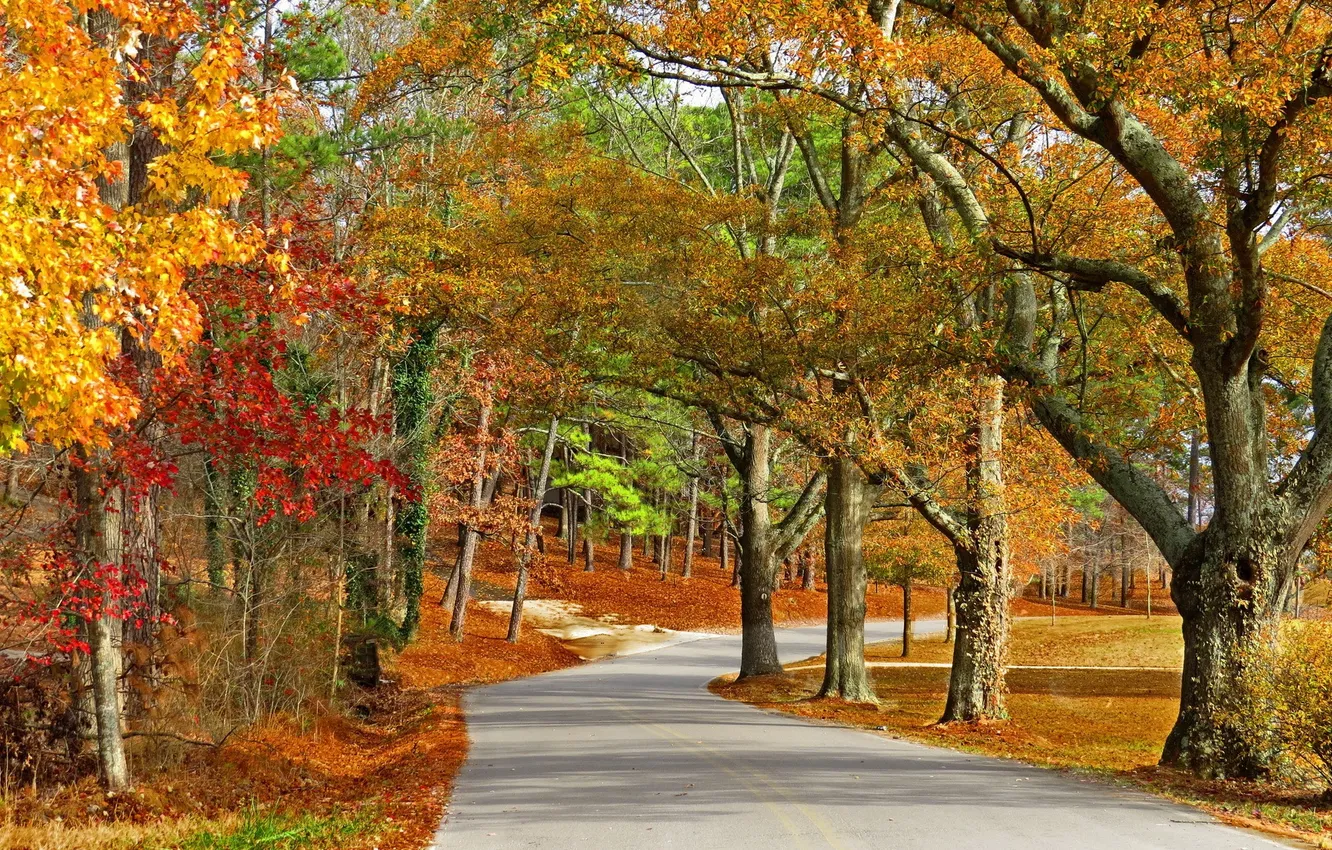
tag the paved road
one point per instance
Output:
(634, 753)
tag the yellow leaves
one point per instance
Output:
(76, 269)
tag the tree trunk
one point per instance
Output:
(626, 551)
(412, 397)
(458, 620)
(807, 564)
(758, 641)
(950, 625)
(571, 539)
(976, 683)
(12, 482)
(1223, 593)
(1094, 591)
(906, 618)
(533, 535)
(664, 553)
(706, 532)
(215, 549)
(589, 553)
(847, 505)
(98, 540)
(687, 568)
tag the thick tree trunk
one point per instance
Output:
(533, 531)
(1224, 593)
(976, 683)
(626, 551)
(706, 532)
(847, 507)
(589, 554)
(758, 641)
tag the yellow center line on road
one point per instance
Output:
(719, 759)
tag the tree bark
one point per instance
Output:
(533, 531)
(687, 567)
(97, 541)
(847, 506)
(1220, 587)
(976, 683)
(950, 625)
(758, 641)
(458, 620)
(626, 551)
(907, 618)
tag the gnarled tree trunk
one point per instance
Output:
(976, 682)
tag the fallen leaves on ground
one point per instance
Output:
(703, 602)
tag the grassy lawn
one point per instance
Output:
(1072, 641)
(1113, 722)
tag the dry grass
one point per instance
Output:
(105, 836)
(397, 763)
(1093, 641)
(1109, 721)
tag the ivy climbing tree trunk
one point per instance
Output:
(412, 398)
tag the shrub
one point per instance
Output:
(1287, 698)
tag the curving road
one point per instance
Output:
(634, 753)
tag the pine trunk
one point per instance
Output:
(626, 551)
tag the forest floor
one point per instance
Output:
(1105, 717)
(376, 771)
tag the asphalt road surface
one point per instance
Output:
(633, 753)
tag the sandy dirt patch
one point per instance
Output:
(591, 637)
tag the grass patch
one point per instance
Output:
(254, 830)
(277, 831)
